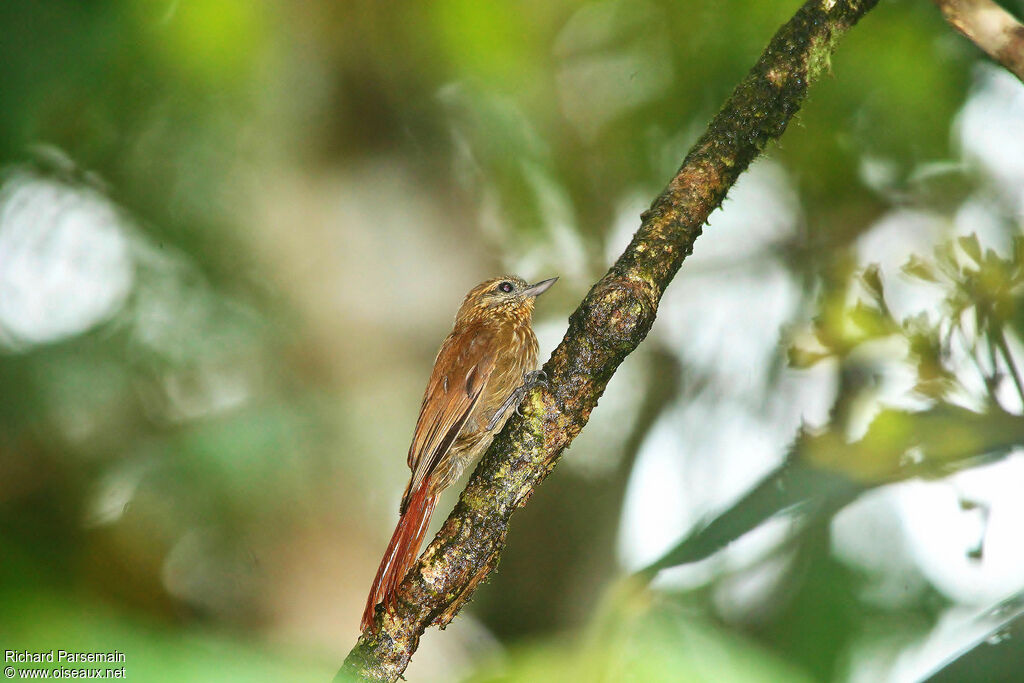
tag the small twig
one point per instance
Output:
(972, 350)
(991, 28)
(1004, 348)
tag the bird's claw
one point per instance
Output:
(530, 380)
(535, 378)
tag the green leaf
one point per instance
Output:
(918, 268)
(794, 485)
(872, 279)
(803, 358)
(872, 322)
(971, 247)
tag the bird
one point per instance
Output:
(484, 367)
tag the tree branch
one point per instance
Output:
(991, 28)
(612, 320)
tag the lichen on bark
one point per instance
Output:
(609, 323)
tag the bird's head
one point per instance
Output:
(502, 299)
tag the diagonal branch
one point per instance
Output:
(991, 28)
(611, 321)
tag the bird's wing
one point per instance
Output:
(461, 372)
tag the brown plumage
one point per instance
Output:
(480, 373)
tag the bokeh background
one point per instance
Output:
(234, 232)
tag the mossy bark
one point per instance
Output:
(611, 321)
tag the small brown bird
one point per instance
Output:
(484, 368)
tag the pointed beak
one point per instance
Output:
(539, 288)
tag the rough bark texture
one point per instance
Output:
(991, 28)
(611, 321)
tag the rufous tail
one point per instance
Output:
(402, 551)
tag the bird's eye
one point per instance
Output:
(505, 287)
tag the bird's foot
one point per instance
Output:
(530, 380)
(536, 378)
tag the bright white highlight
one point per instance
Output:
(65, 262)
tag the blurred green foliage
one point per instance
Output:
(203, 474)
